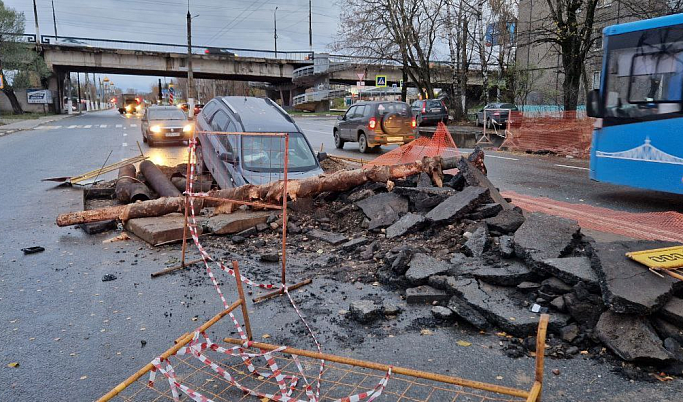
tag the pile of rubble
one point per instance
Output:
(474, 258)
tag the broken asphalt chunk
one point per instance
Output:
(544, 236)
(423, 266)
(478, 242)
(383, 209)
(632, 338)
(409, 223)
(627, 286)
(506, 222)
(354, 243)
(572, 270)
(328, 237)
(467, 313)
(236, 221)
(512, 274)
(364, 311)
(425, 295)
(458, 205)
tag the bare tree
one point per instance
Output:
(570, 27)
(651, 9)
(399, 31)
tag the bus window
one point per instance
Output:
(644, 74)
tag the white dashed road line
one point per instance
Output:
(125, 144)
(133, 125)
(124, 134)
(72, 126)
(573, 167)
(501, 157)
(119, 125)
(103, 126)
(88, 126)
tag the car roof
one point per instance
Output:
(259, 115)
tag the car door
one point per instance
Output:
(345, 124)
(219, 122)
(356, 121)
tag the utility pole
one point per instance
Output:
(35, 16)
(161, 96)
(78, 82)
(275, 29)
(310, 25)
(54, 20)
(190, 78)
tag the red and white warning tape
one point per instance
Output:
(197, 347)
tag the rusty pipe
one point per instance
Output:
(128, 189)
(158, 180)
(180, 182)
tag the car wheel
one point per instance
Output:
(150, 142)
(338, 142)
(144, 137)
(200, 168)
(363, 144)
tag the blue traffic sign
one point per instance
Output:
(381, 81)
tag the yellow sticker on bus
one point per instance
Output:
(659, 258)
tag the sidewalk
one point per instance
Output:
(22, 125)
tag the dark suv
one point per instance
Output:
(372, 124)
(236, 160)
(430, 111)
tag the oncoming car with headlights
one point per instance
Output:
(165, 124)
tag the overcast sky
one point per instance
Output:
(228, 23)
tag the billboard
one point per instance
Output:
(39, 96)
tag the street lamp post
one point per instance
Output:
(275, 29)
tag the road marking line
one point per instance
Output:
(72, 126)
(572, 167)
(501, 157)
(124, 134)
(133, 125)
(125, 144)
(119, 125)
(79, 126)
(88, 126)
(318, 131)
(103, 126)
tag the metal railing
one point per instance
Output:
(82, 42)
(319, 96)
(310, 71)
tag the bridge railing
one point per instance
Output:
(296, 55)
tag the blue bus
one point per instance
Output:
(638, 136)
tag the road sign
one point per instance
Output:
(361, 76)
(394, 85)
(381, 81)
(659, 258)
(400, 83)
(164, 92)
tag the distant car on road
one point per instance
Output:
(430, 111)
(236, 160)
(372, 124)
(219, 50)
(496, 114)
(165, 124)
(129, 103)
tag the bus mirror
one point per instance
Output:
(594, 105)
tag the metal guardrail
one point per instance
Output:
(295, 55)
(310, 71)
(318, 96)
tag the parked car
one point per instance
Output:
(496, 114)
(165, 124)
(430, 111)
(236, 160)
(373, 124)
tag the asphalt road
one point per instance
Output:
(74, 336)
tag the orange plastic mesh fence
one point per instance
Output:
(647, 226)
(339, 381)
(440, 144)
(564, 133)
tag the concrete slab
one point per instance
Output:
(236, 221)
(159, 230)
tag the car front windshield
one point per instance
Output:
(266, 153)
(166, 114)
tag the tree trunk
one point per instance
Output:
(268, 193)
(571, 82)
(9, 92)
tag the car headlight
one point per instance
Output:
(138, 107)
(188, 128)
(155, 129)
(128, 108)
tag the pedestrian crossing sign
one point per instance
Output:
(381, 81)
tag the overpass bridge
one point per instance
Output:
(298, 76)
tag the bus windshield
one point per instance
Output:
(644, 73)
